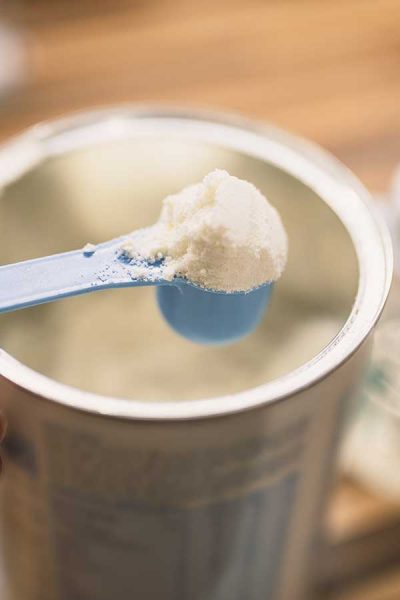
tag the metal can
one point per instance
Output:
(212, 499)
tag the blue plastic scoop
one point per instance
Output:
(199, 314)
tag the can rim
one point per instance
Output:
(314, 167)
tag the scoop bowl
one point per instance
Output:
(212, 317)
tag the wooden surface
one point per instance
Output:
(328, 70)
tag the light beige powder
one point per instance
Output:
(221, 233)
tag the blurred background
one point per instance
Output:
(327, 70)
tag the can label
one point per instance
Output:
(216, 509)
(172, 526)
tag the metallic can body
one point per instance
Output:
(211, 500)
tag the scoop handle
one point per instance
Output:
(59, 276)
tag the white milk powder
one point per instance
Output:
(221, 233)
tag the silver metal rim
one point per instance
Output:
(305, 161)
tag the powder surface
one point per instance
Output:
(221, 233)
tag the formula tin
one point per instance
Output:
(213, 499)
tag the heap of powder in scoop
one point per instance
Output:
(221, 234)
